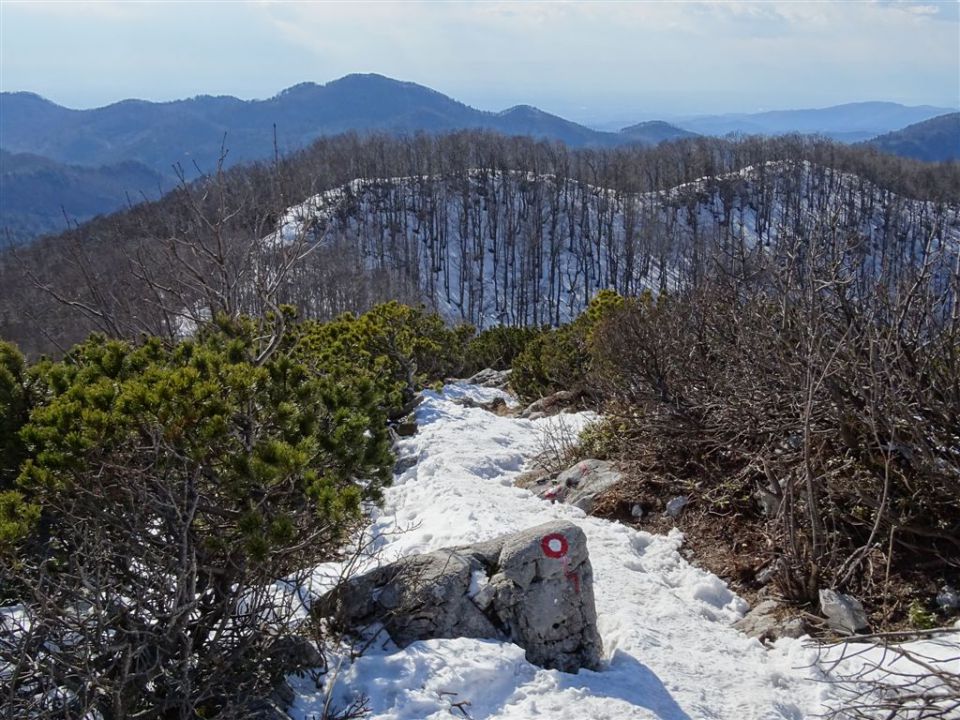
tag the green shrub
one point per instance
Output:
(172, 485)
(921, 618)
(14, 409)
(402, 348)
(603, 439)
(560, 359)
(497, 348)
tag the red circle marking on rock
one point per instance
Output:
(554, 545)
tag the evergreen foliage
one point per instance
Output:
(398, 347)
(559, 358)
(187, 479)
(497, 347)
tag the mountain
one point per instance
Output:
(934, 140)
(132, 146)
(654, 132)
(187, 131)
(852, 122)
(487, 230)
(37, 195)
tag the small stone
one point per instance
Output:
(676, 505)
(794, 627)
(948, 598)
(844, 612)
(636, 511)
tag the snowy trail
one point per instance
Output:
(670, 649)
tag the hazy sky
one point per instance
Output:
(590, 61)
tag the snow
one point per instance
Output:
(671, 652)
(466, 240)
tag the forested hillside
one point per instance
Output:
(934, 140)
(486, 229)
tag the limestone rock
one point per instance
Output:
(581, 484)
(766, 622)
(491, 378)
(550, 405)
(676, 505)
(948, 598)
(534, 588)
(843, 611)
(535, 479)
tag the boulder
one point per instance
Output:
(535, 479)
(550, 405)
(844, 612)
(581, 484)
(491, 378)
(534, 588)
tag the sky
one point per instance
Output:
(593, 61)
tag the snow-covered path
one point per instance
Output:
(666, 626)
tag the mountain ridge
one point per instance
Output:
(933, 140)
(847, 122)
(159, 134)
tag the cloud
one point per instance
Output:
(685, 56)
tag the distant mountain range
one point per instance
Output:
(852, 122)
(188, 131)
(85, 162)
(936, 140)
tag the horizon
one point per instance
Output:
(592, 63)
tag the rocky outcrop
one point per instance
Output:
(491, 378)
(551, 404)
(578, 485)
(534, 588)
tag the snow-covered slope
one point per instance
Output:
(492, 247)
(666, 626)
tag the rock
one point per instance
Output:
(283, 694)
(498, 406)
(534, 588)
(794, 627)
(294, 654)
(551, 404)
(636, 512)
(406, 429)
(760, 621)
(948, 598)
(768, 573)
(581, 484)
(532, 479)
(491, 378)
(405, 463)
(766, 622)
(843, 611)
(676, 505)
